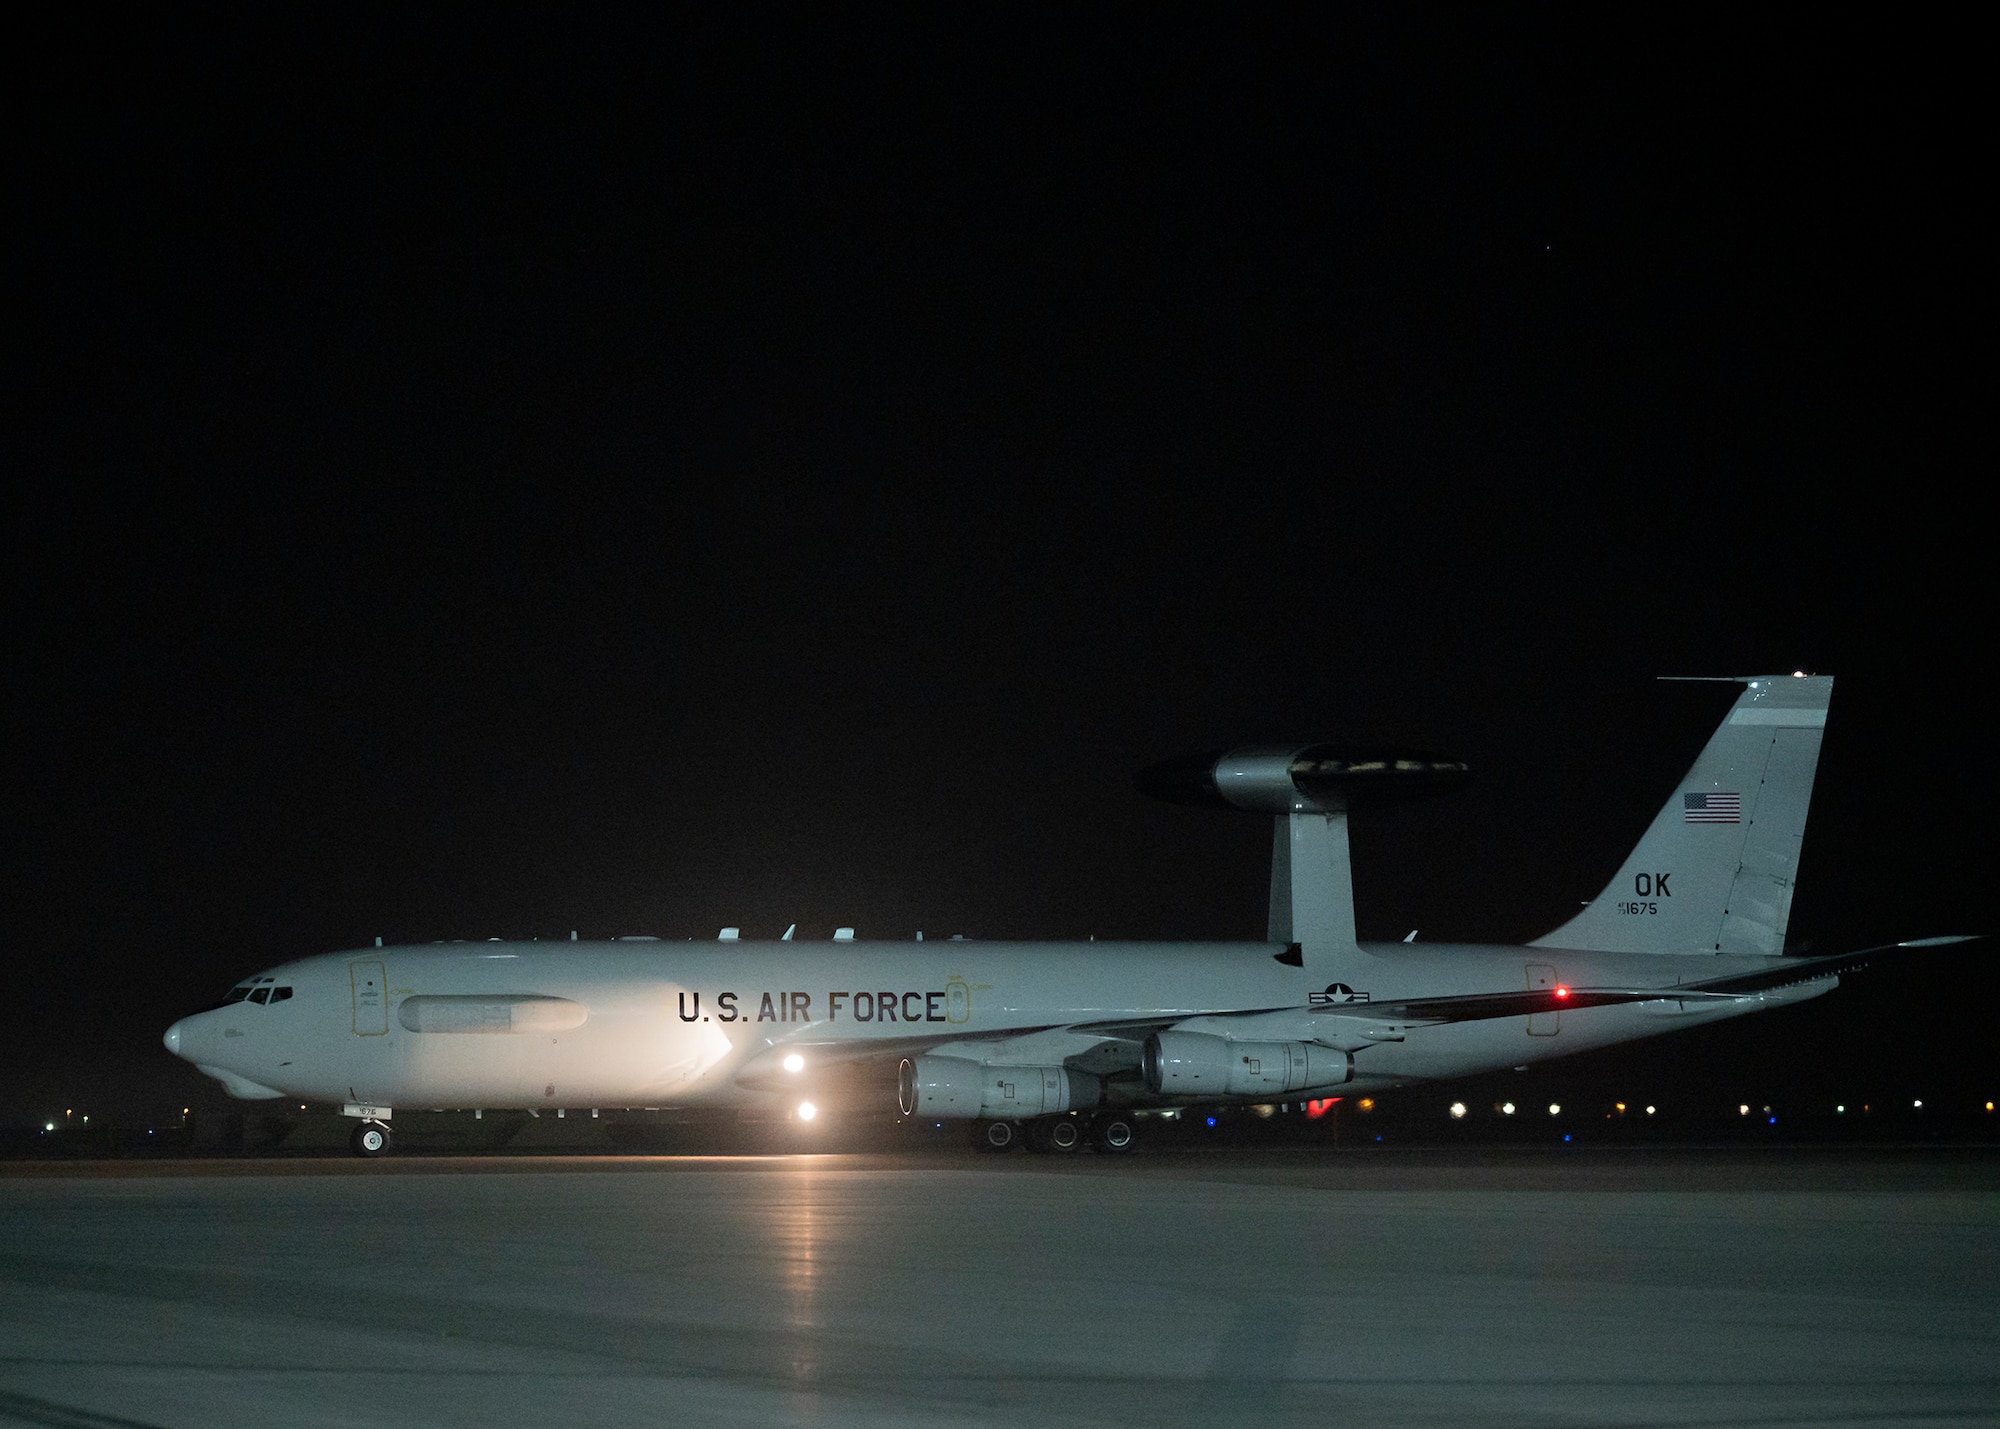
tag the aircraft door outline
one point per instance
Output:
(371, 998)
(1541, 978)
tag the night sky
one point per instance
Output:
(496, 472)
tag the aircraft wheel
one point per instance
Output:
(994, 1135)
(1059, 1134)
(1111, 1133)
(371, 1138)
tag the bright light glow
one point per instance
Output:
(1743, 1110)
(1649, 1111)
(1555, 1109)
(795, 1063)
(1506, 1108)
(1621, 1108)
(807, 1111)
(1457, 1110)
(1366, 1103)
(1989, 1106)
(1561, 991)
(1840, 1111)
(1211, 1121)
(1315, 1109)
(1919, 1106)
(1798, 674)
(51, 1126)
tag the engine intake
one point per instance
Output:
(1196, 1064)
(954, 1087)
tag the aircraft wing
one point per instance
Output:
(1478, 1006)
(1382, 1020)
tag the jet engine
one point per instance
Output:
(1198, 1064)
(955, 1087)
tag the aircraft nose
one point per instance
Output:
(172, 1038)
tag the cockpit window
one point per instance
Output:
(236, 994)
(260, 994)
(279, 994)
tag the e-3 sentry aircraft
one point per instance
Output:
(1066, 1040)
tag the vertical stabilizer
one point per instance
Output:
(1715, 872)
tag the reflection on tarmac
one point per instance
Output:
(1210, 1290)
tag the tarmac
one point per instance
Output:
(1211, 1288)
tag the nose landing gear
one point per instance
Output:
(371, 1138)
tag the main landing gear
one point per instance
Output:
(1107, 1131)
(371, 1138)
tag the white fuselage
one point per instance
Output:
(655, 1024)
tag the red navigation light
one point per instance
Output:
(1318, 1109)
(1561, 992)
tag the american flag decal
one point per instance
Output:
(1712, 808)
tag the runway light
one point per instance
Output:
(1211, 1121)
(1743, 1110)
(1506, 1109)
(1366, 1103)
(807, 1111)
(1555, 1109)
(1621, 1108)
(1457, 1110)
(795, 1063)
(1919, 1106)
(1842, 1109)
(1649, 1111)
(1989, 1106)
(51, 1126)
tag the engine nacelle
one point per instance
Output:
(954, 1087)
(1195, 1064)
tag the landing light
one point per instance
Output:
(1507, 1109)
(1743, 1110)
(1649, 1111)
(807, 1111)
(1457, 1110)
(795, 1063)
(1555, 1109)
